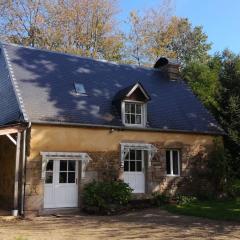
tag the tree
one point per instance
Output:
(229, 100)
(217, 84)
(158, 33)
(204, 82)
(189, 43)
(85, 27)
(21, 21)
(147, 38)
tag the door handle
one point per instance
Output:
(76, 180)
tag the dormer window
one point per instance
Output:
(134, 113)
(132, 103)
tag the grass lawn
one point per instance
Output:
(219, 210)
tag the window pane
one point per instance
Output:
(127, 118)
(139, 154)
(168, 162)
(49, 177)
(175, 163)
(132, 166)
(132, 155)
(63, 165)
(132, 108)
(49, 166)
(133, 120)
(71, 165)
(127, 108)
(126, 166)
(127, 155)
(138, 119)
(139, 166)
(138, 109)
(62, 177)
(71, 177)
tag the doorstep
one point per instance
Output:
(60, 211)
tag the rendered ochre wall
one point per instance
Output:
(103, 146)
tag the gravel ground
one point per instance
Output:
(145, 224)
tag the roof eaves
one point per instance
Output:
(14, 83)
(150, 129)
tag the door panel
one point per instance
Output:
(134, 170)
(63, 191)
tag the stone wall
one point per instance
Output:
(7, 171)
(103, 146)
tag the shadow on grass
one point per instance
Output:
(218, 210)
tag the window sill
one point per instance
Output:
(173, 175)
(134, 125)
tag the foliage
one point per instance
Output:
(156, 33)
(159, 199)
(236, 187)
(184, 199)
(214, 209)
(203, 80)
(82, 27)
(90, 28)
(188, 43)
(106, 194)
(217, 84)
(218, 165)
(20, 238)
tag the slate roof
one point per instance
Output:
(39, 87)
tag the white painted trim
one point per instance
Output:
(143, 115)
(12, 139)
(14, 83)
(171, 163)
(77, 156)
(137, 85)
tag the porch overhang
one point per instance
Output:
(77, 156)
(150, 148)
(12, 128)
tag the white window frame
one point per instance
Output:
(171, 163)
(143, 117)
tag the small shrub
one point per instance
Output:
(184, 200)
(159, 199)
(20, 238)
(106, 196)
(236, 188)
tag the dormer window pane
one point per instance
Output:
(138, 119)
(133, 113)
(127, 108)
(138, 110)
(132, 108)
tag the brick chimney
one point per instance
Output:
(169, 66)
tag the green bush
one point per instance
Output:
(184, 200)
(236, 187)
(159, 199)
(106, 196)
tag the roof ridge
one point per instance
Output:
(14, 82)
(79, 56)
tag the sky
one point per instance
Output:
(220, 18)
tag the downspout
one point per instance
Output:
(24, 169)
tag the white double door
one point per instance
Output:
(134, 170)
(61, 184)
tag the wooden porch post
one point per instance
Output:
(16, 184)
